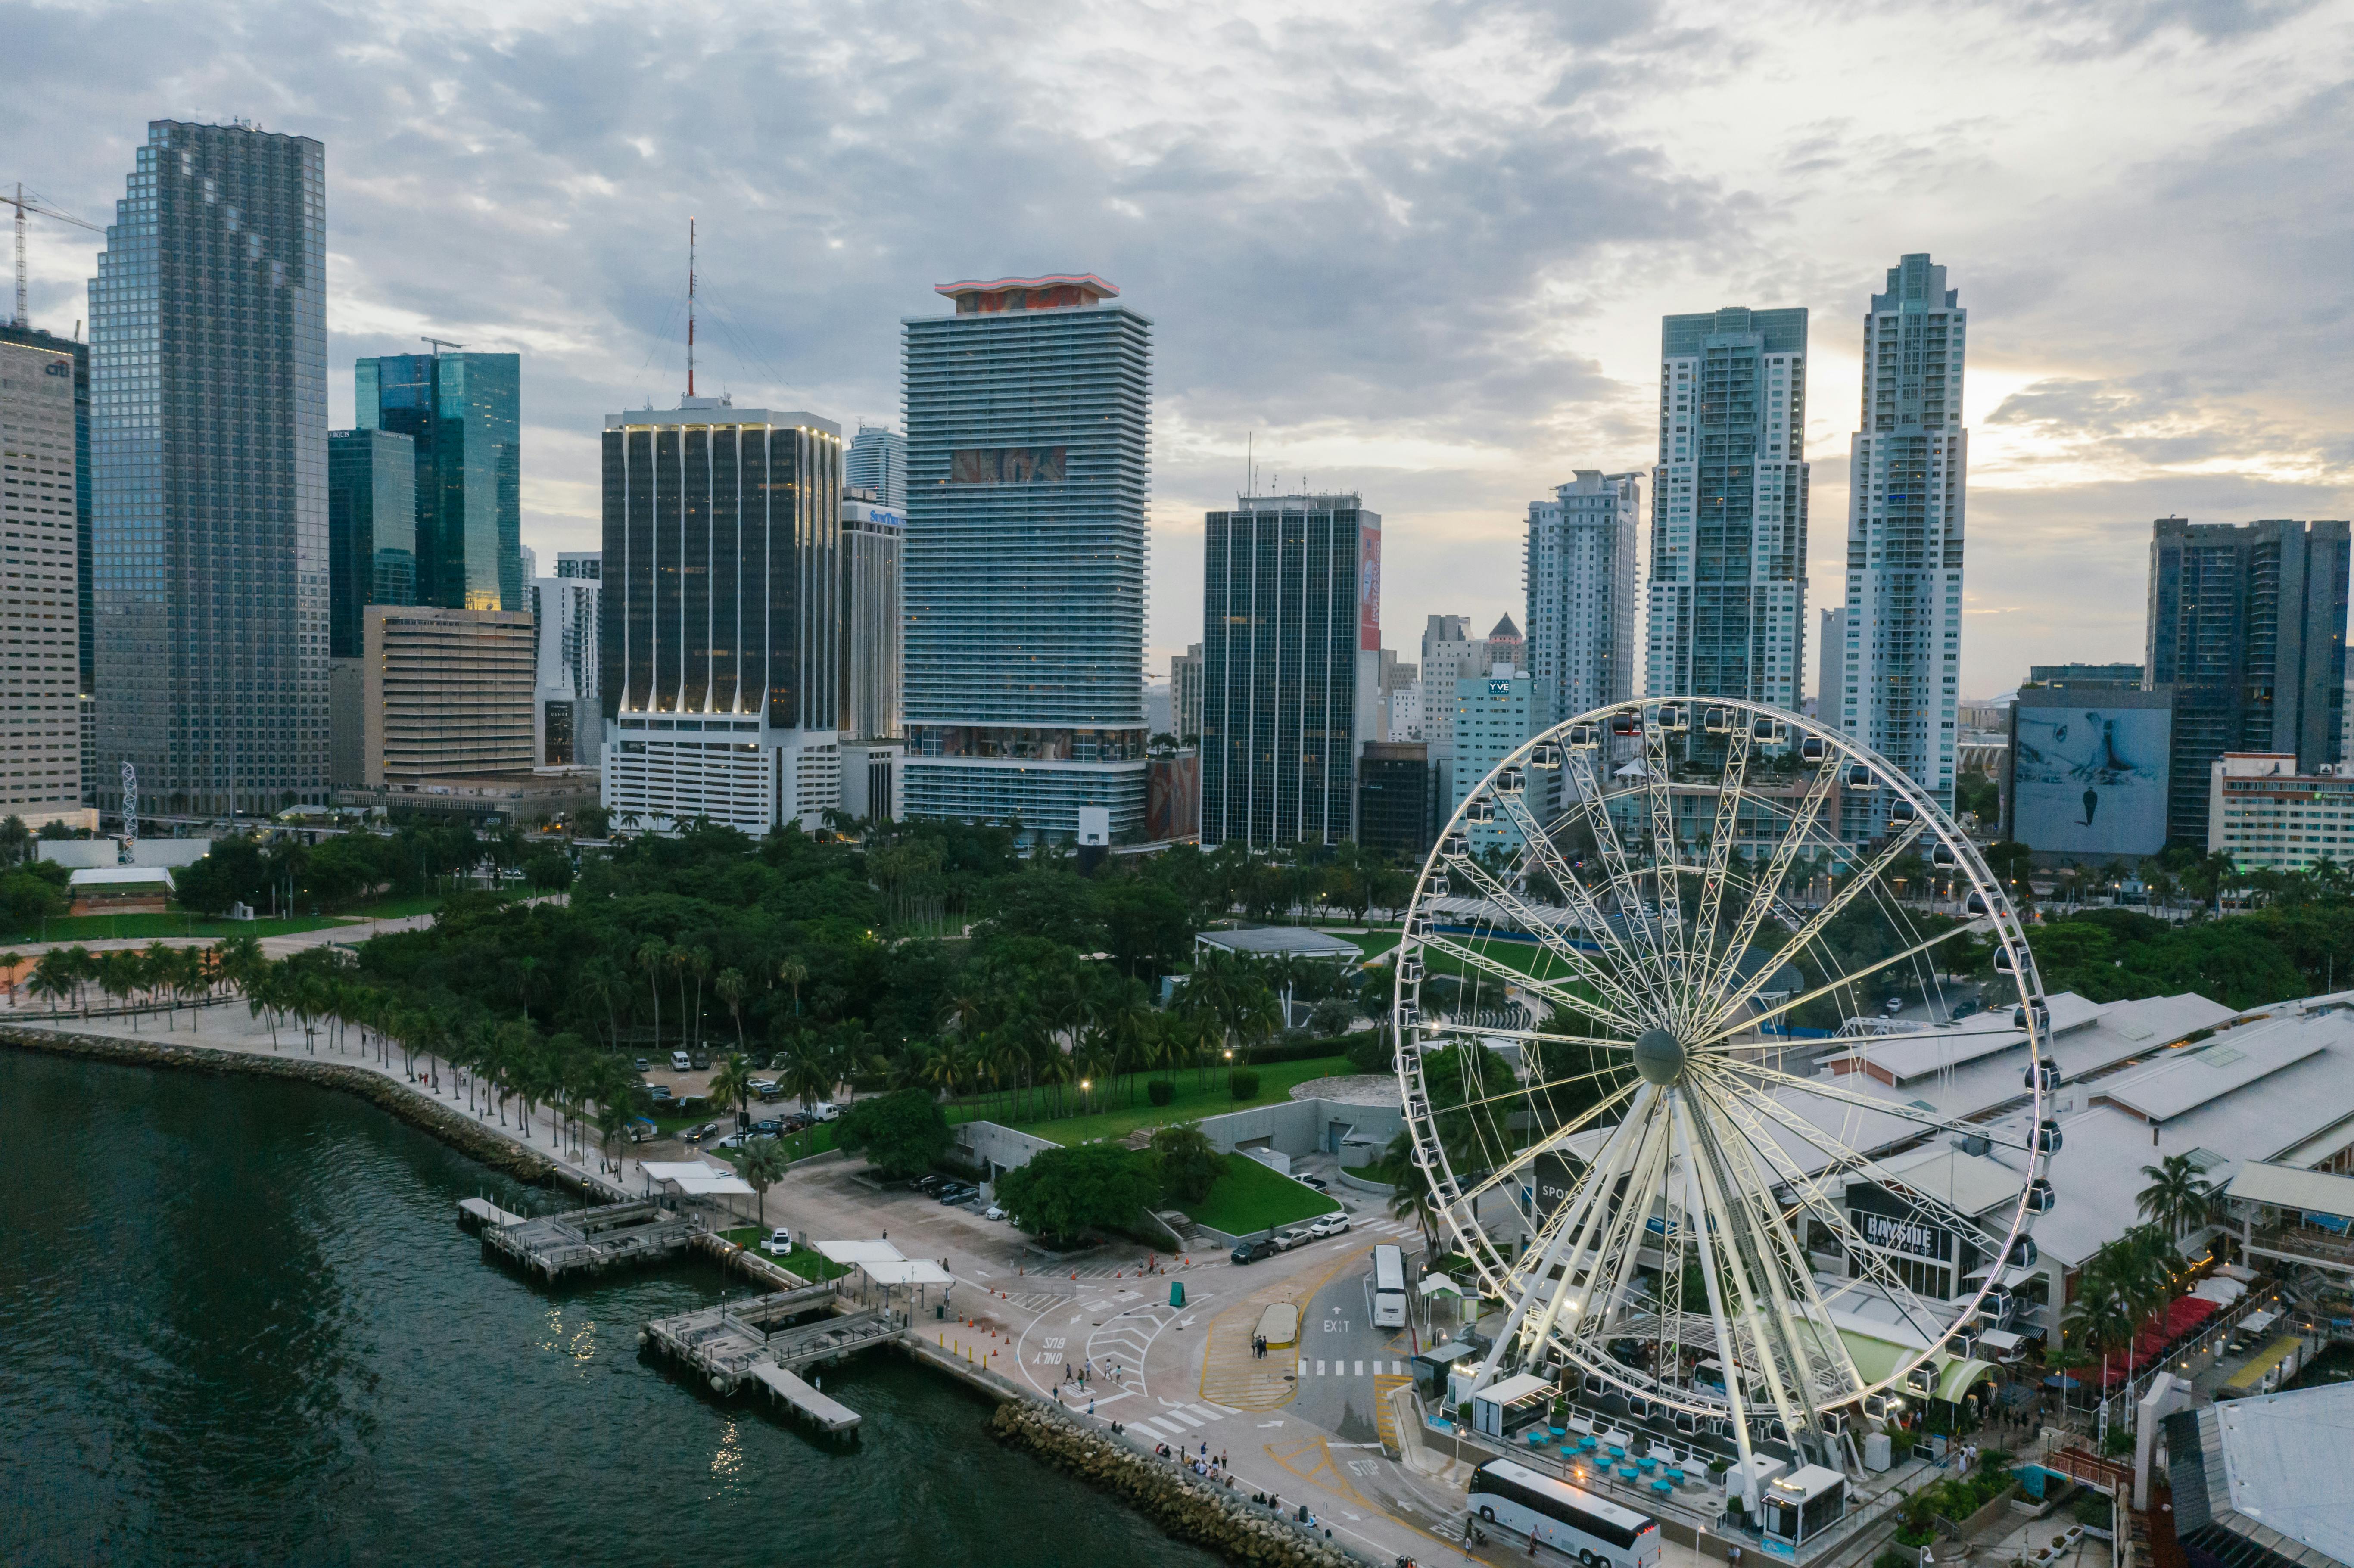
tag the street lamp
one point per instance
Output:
(1230, 1072)
(1084, 1084)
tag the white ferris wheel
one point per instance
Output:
(1595, 988)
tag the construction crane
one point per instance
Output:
(25, 204)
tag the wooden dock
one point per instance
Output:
(593, 1240)
(761, 1342)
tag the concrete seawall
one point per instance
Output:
(453, 1127)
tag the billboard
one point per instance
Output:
(1369, 583)
(2088, 771)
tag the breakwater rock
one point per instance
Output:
(450, 1125)
(1179, 1502)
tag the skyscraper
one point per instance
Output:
(2247, 625)
(371, 530)
(465, 411)
(1580, 567)
(721, 620)
(208, 338)
(1291, 643)
(1185, 694)
(1908, 490)
(873, 627)
(1728, 595)
(40, 721)
(1029, 465)
(84, 558)
(1449, 652)
(568, 721)
(877, 461)
(1830, 666)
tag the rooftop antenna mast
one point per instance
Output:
(439, 344)
(25, 204)
(690, 307)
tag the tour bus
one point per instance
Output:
(1517, 1500)
(1389, 1287)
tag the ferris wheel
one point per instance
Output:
(1600, 982)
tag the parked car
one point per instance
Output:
(928, 1183)
(1316, 1181)
(761, 1087)
(1252, 1251)
(957, 1192)
(660, 1093)
(643, 1065)
(993, 1213)
(771, 1127)
(697, 1135)
(826, 1110)
(779, 1243)
(1963, 1009)
(1892, 1006)
(701, 1059)
(1296, 1236)
(678, 1062)
(1329, 1226)
(795, 1123)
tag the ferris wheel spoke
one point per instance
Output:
(1551, 1143)
(1543, 930)
(1527, 982)
(1849, 979)
(1724, 836)
(1592, 1223)
(1618, 870)
(1612, 1073)
(1666, 866)
(1821, 1090)
(1785, 853)
(1540, 843)
(1896, 846)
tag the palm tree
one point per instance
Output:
(809, 1073)
(2180, 1197)
(651, 954)
(8, 962)
(764, 1166)
(730, 987)
(793, 974)
(732, 1084)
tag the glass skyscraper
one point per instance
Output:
(1029, 415)
(208, 443)
(465, 411)
(371, 530)
(1291, 637)
(1728, 599)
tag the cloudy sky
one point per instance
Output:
(1419, 251)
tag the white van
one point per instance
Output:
(826, 1110)
(678, 1062)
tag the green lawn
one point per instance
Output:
(806, 1261)
(1249, 1198)
(110, 928)
(1198, 1095)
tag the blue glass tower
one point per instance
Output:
(208, 443)
(465, 411)
(371, 530)
(1029, 415)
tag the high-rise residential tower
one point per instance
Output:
(1185, 694)
(2247, 626)
(1580, 567)
(721, 616)
(1830, 666)
(371, 530)
(40, 721)
(208, 339)
(1728, 591)
(568, 721)
(84, 558)
(1029, 468)
(877, 461)
(465, 411)
(1292, 650)
(1908, 491)
(872, 625)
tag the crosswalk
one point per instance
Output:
(1387, 1227)
(1173, 1424)
(1352, 1368)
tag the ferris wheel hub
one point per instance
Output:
(1660, 1056)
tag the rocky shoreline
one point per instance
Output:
(1181, 1504)
(453, 1127)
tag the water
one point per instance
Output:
(238, 1325)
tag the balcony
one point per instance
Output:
(2302, 1244)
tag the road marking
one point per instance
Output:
(1209, 1413)
(1189, 1420)
(1303, 1366)
(1319, 1369)
(1361, 1369)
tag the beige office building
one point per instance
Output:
(436, 695)
(40, 678)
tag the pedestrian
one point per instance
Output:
(1091, 1408)
(1066, 1371)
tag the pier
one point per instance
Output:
(481, 1214)
(763, 1341)
(593, 1239)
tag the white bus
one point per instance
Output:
(1517, 1500)
(1389, 1287)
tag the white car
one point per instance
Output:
(1291, 1239)
(1329, 1226)
(779, 1244)
(826, 1110)
(678, 1062)
(995, 1212)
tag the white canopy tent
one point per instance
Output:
(692, 1179)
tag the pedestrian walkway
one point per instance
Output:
(1352, 1368)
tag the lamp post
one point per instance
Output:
(1085, 1097)
(1230, 1072)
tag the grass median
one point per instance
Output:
(1197, 1095)
(1250, 1197)
(806, 1261)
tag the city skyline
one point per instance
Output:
(1456, 383)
